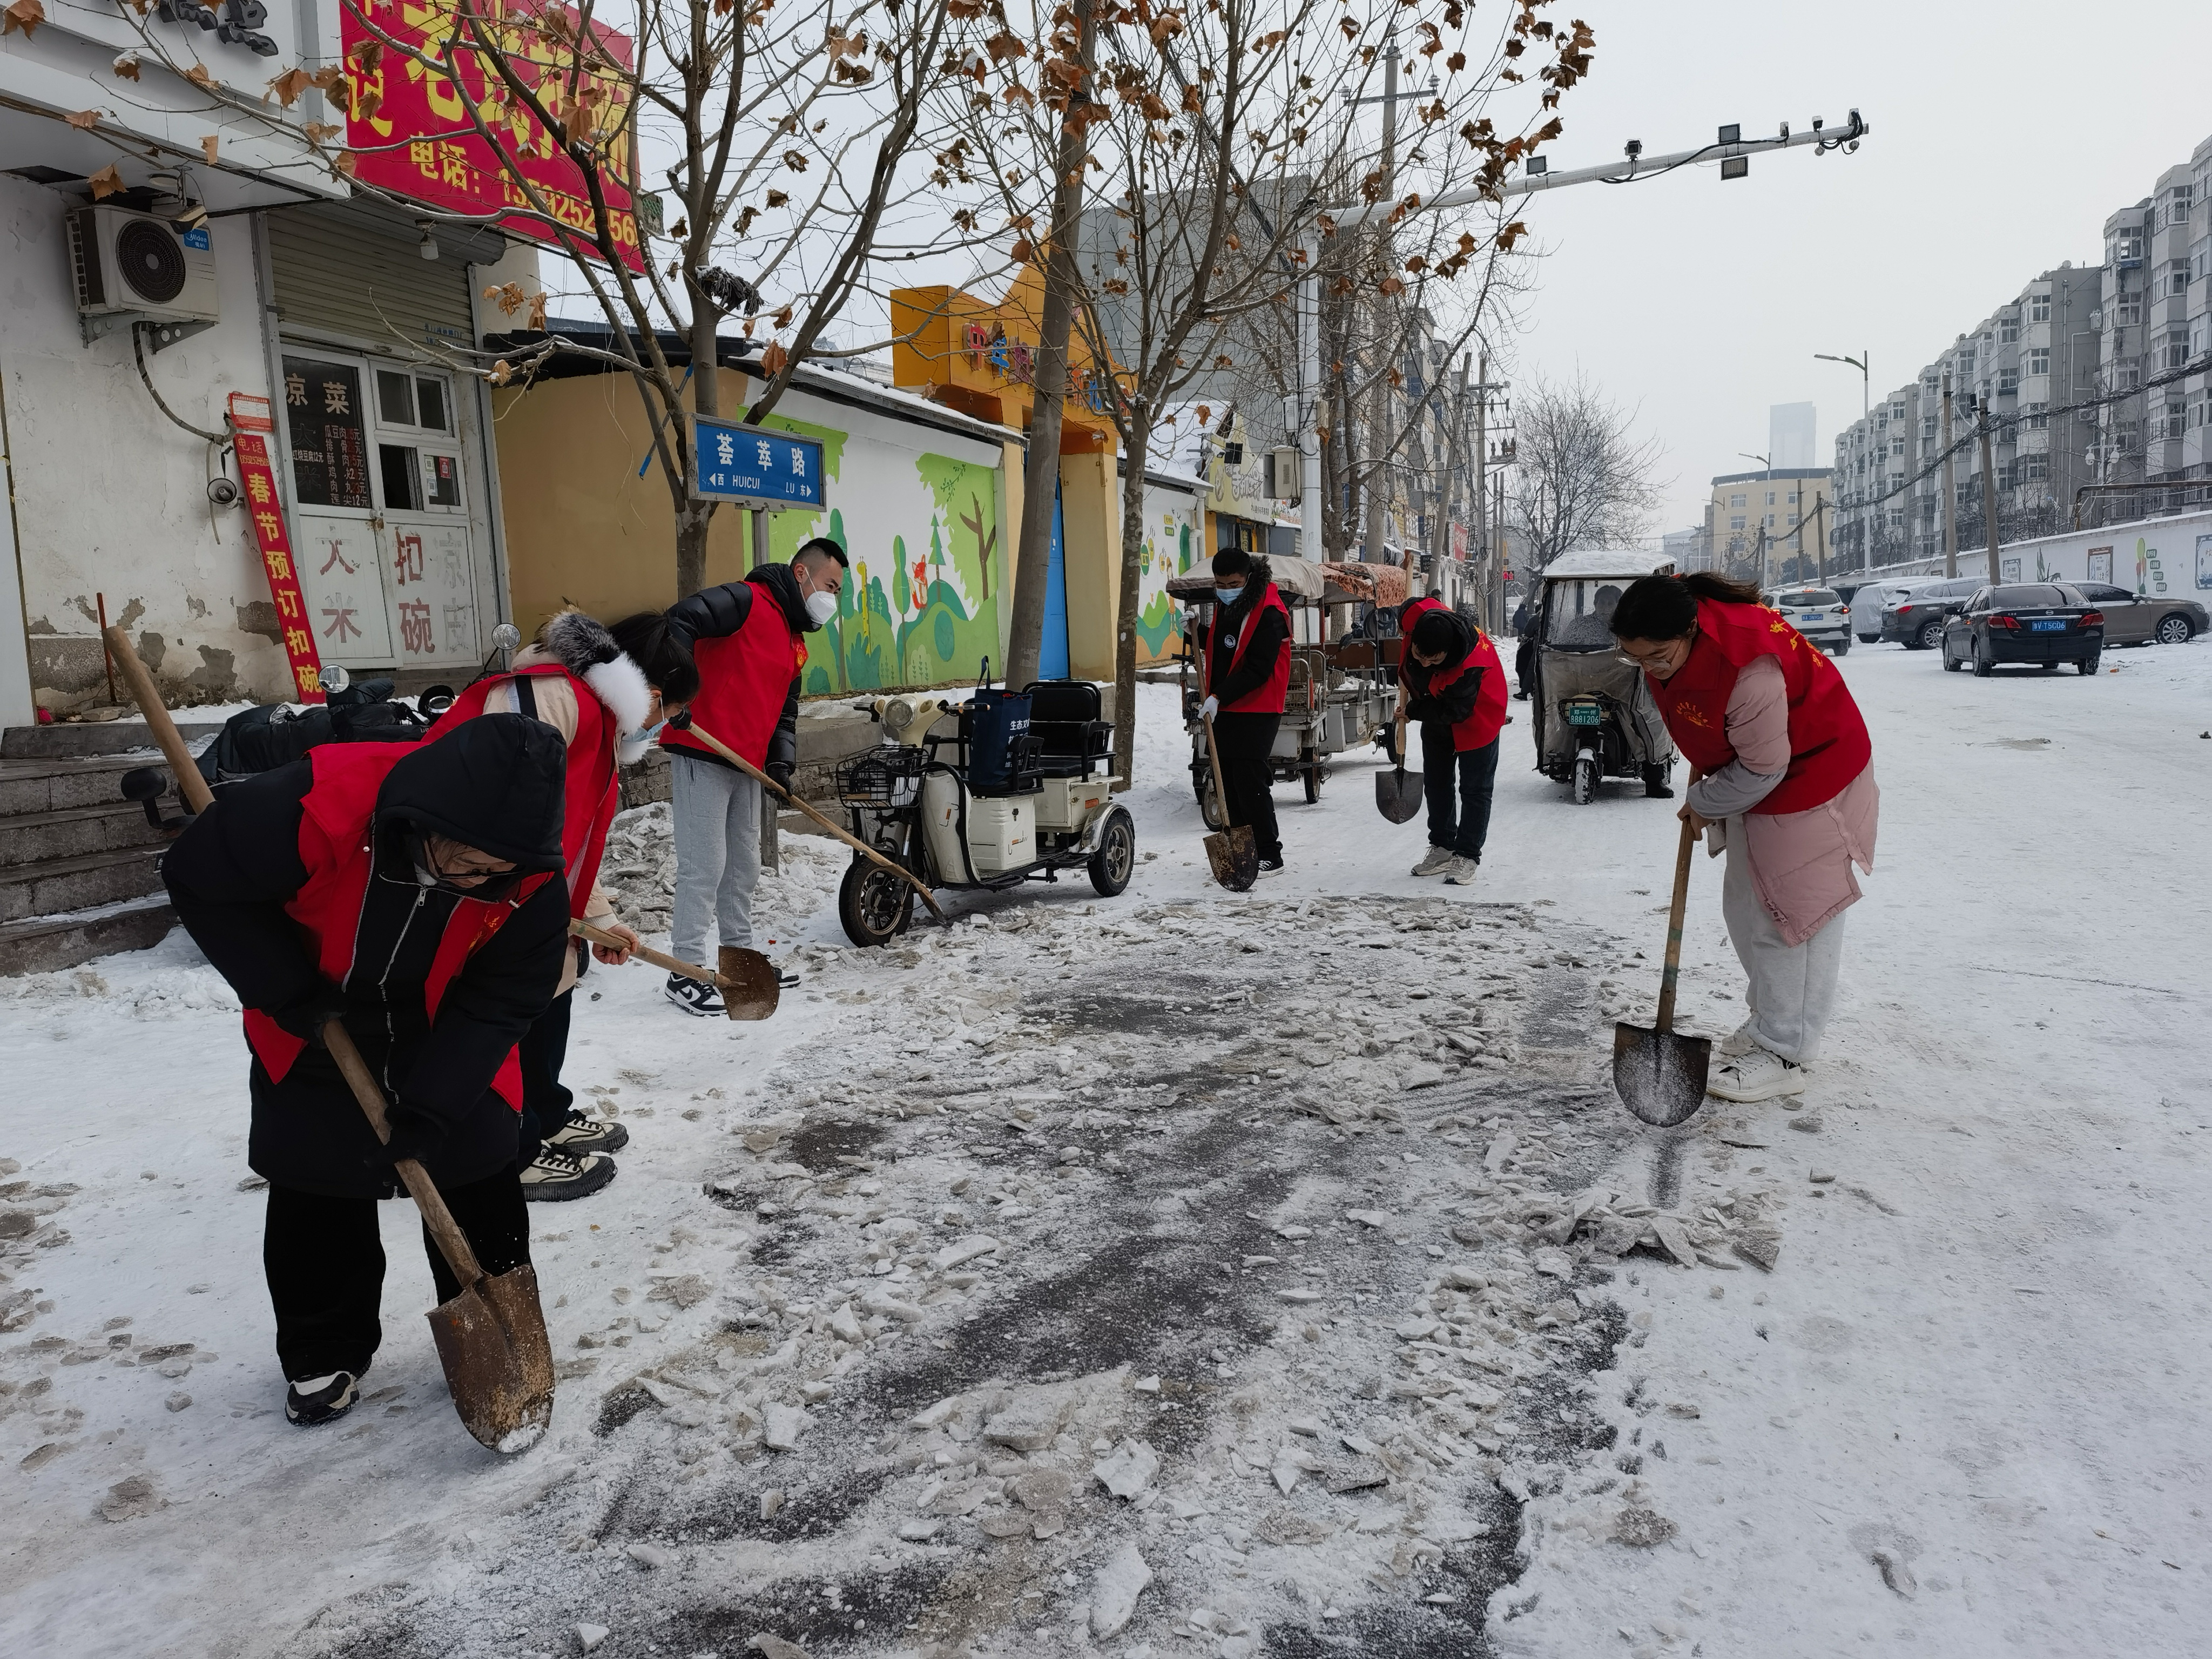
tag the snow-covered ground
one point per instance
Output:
(1306, 1219)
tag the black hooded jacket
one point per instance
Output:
(1271, 632)
(494, 784)
(1454, 700)
(714, 613)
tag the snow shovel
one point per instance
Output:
(685, 723)
(1398, 797)
(1659, 1074)
(1233, 853)
(748, 980)
(491, 1336)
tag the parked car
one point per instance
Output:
(1819, 613)
(1871, 601)
(2042, 622)
(2141, 618)
(1917, 620)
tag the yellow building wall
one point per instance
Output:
(1090, 547)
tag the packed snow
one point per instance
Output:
(1191, 1273)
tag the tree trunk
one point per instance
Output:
(691, 524)
(1125, 633)
(693, 516)
(1049, 381)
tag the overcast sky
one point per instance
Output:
(2003, 133)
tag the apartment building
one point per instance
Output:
(1772, 526)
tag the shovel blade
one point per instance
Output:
(1398, 794)
(1235, 857)
(497, 1359)
(749, 984)
(1660, 1076)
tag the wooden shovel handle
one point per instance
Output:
(1682, 903)
(452, 1241)
(584, 930)
(190, 785)
(836, 830)
(1401, 737)
(1220, 789)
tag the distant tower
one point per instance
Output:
(1790, 429)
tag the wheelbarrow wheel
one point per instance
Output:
(1311, 769)
(1201, 784)
(873, 905)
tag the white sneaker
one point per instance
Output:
(1462, 872)
(1740, 1041)
(1762, 1074)
(1435, 862)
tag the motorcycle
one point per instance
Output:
(1595, 717)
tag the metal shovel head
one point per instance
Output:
(1660, 1076)
(749, 982)
(1398, 794)
(498, 1361)
(1235, 857)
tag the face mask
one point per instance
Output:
(644, 733)
(1228, 595)
(820, 608)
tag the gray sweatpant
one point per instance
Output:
(717, 813)
(1792, 988)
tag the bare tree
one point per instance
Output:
(784, 134)
(1580, 479)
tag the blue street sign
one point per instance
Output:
(755, 466)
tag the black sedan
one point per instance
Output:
(2045, 624)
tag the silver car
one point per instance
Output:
(2141, 618)
(1818, 613)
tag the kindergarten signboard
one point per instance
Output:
(408, 128)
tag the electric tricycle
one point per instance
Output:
(982, 795)
(1595, 716)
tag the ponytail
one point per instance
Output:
(665, 660)
(1666, 607)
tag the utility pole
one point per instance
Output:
(1866, 415)
(1481, 525)
(1950, 489)
(1988, 486)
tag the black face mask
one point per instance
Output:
(492, 888)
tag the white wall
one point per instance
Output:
(110, 496)
(2166, 558)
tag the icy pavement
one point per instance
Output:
(1190, 1273)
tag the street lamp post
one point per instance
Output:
(1866, 410)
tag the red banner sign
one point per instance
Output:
(410, 134)
(268, 516)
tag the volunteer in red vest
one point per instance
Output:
(415, 892)
(605, 691)
(749, 639)
(1451, 679)
(1247, 675)
(1783, 779)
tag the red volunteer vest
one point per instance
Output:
(334, 846)
(1271, 696)
(1479, 729)
(1828, 741)
(743, 680)
(594, 792)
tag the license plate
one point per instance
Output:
(1582, 713)
(2047, 625)
(1810, 616)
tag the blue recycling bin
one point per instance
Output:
(998, 741)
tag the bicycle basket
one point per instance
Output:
(889, 776)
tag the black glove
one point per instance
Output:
(414, 1134)
(304, 1018)
(779, 773)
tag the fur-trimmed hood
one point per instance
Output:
(583, 646)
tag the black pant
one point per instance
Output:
(1524, 664)
(542, 1050)
(326, 1266)
(1245, 742)
(1474, 772)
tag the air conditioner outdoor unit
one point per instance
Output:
(142, 266)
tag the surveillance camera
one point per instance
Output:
(223, 492)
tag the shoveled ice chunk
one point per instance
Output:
(964, 1249)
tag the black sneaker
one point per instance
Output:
(554, 1176)
(1271, 866)
(579, 1135)
(695, 996)
(315, 1401)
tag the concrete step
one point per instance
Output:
(47, 786)
(42, 945)
(53, 887)
(74, 832)
(66, 739)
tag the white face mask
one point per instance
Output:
(821, 608)
(1228, 595)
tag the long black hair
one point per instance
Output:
(1666, 607)
(665, 660)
